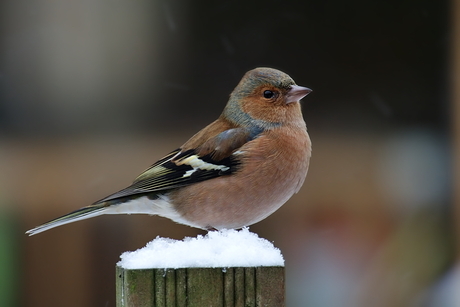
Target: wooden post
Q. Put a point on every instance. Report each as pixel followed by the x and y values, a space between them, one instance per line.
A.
pixel 199 287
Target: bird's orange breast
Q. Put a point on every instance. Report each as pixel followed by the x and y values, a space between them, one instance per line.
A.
pixel 273 168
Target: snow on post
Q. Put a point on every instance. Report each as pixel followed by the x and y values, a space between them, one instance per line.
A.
pixel 223 268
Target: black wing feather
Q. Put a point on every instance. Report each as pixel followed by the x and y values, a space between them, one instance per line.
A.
pixel 166 175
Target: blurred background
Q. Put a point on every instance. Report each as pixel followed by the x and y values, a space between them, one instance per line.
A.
pixel 94 91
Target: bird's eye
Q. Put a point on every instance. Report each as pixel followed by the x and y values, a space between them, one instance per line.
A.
pixel 269 94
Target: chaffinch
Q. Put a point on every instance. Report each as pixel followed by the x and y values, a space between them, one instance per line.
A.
pixel 233 173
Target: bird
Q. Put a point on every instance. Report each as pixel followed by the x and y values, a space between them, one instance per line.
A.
pixel 235 172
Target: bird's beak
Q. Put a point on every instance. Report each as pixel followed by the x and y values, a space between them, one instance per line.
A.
pixel 296 93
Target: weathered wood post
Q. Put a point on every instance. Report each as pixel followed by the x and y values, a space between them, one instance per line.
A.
pixel 199 287
pixel 223 286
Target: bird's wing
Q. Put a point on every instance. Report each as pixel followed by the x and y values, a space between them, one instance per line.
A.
pixel 180 168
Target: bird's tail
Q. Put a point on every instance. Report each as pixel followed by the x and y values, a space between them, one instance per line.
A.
pixel 77 215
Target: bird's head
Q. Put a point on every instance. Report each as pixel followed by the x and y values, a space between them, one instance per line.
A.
pixel 265 97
